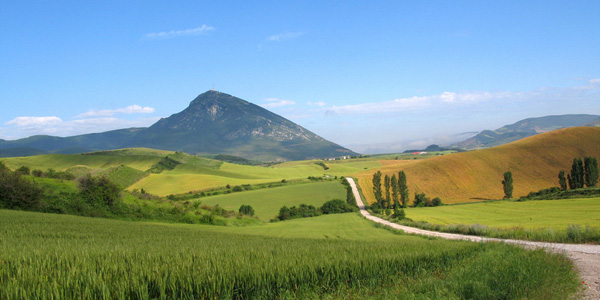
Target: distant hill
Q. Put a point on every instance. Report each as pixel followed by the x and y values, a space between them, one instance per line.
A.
pixel 526 128
pixel 213 123
pixel 477 175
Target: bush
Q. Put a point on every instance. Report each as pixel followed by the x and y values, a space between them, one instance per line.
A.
pixel 99 191
pixel 237 188
pixel 436 201
pixel 17 192
pixel 336 206
pixel 246 210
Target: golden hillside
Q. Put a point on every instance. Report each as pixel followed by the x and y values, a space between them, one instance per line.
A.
pixel 477 175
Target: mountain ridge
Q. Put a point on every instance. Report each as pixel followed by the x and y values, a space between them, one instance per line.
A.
pixel 213 123
pixel 525 128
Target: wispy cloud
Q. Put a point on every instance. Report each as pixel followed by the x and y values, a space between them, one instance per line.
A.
pixel 284 36
pixel 131 109
pixel 34 121
pixel 449 99
pixel 178 33
pixel 318 103
pixel 274 103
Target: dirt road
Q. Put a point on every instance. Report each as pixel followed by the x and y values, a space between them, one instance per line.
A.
pixel 585 257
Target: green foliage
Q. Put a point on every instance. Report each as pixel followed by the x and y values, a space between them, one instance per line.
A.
pixel 436 201
pixel 420 200
pixel 377 188
pixel 395 190
pixel 577 174
pixel 349 194
pixel 99 192
pixel 246 210
pixel 399 213
pixel 302 211
pixel 17 192
pixel 386 184
pixel 591 171
pixel 166 163
pixel 23 170
pixel 323 165
pixel 507 185
pixel 555 193
pixel 403 188
pixel 337 206
pixel 562 181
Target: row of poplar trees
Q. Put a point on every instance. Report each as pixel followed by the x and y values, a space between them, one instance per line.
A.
pixel 583 173
pixel 395 192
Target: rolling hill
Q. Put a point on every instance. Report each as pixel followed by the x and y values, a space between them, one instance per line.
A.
pixel 477 175
pixel 525 128
pixel 213 123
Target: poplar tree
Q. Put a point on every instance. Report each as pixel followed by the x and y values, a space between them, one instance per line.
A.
pixel 394 182
pixel 377 186
pixel 590 171
pixel 577 174
pixel 403 188
pixel 562 181
pixel 507 184
pixel 386 184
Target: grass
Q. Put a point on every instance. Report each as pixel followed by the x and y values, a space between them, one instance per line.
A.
pixel 477 175
pixel 267 202
pixel 562 221
pixel 45 256
pixel 533 214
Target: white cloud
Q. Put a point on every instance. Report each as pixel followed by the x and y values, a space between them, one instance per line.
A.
pixel 284 36
pixel 131 109
pixel 23 122
pixel 178 33
pixel 318 103
pixel 448 100
pixel 274 103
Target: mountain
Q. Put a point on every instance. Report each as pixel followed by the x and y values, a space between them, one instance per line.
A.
pixel 525 128
pixel 213 123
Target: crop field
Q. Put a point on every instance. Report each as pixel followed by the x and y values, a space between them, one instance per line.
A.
pixel 557 214
pixel 267 202
pixel 477 175
pixel 46 256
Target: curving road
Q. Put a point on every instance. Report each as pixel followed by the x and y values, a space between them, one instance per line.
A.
pixel 585 257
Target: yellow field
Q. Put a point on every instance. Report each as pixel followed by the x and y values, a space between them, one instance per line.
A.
pixel 476 175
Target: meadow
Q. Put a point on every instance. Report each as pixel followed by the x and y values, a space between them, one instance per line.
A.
pixel 47 256
pixel 267 202
pixel 508 214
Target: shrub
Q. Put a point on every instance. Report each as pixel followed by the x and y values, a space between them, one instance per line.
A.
pixel 336 206
pixel 246 210
pixel 17 192
pixel 436 201
pixel 99 191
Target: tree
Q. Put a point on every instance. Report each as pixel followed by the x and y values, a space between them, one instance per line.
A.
pixel 99 191
pixel 590 171
pixel 577 174
pixel 386 184
pixel 507 184
pixel 562 181
pixel 394 182
pixel 403 188
pixel 420 200
pixel 336 206
pixel 17 192
pixel 377 187
pixel 246 210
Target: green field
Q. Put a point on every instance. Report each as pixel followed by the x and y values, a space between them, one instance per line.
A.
pixel 556 214
pixel 46 256
pixel 267 202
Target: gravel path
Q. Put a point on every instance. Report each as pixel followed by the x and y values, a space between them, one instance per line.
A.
pixel 585 257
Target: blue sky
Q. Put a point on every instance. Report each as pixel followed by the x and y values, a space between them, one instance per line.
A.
pixel 378 75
